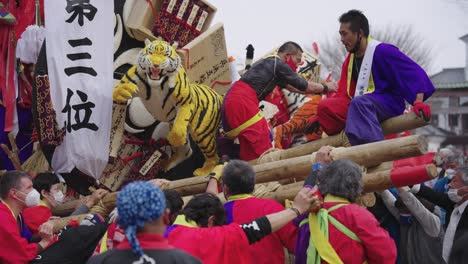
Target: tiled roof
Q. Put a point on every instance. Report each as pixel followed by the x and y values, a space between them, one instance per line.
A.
pixel 451 85
pixel 451 75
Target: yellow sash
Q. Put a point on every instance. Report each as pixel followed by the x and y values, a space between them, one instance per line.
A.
pixel 370 87
pixel 234 132
pixel 103 247
pixel 239 197
pixel 181 220
pixel 320 247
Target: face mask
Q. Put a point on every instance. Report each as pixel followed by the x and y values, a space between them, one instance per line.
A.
pixel 291 63
pixel 453 195
pixel 32 198
pixel 58 196
pixel 450 173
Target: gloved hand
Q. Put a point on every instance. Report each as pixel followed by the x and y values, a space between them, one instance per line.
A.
pixel 422 110
pixel 415 188
pixel 313 126
pixel 113 215
pixel 217 171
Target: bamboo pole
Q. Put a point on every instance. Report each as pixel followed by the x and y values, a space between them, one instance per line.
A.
pixel 390 126
pixel 372 182
pixel 366 155
pixel 428 158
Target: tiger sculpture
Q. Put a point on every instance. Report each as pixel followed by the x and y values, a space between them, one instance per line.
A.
pixel 301 108
pixel 160 84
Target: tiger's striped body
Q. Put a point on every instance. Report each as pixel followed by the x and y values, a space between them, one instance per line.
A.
pixel 162 86
pixel 302 109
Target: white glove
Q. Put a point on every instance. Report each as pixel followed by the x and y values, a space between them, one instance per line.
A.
pixel 415 189
pixel 113 216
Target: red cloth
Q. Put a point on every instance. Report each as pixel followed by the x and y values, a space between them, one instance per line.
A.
pixel 241 104
pixel 332 112
pixel 25 16
pixel 14 248
pixel 222 244
pixel 269 249
pixel 147 241
pixel 277 98
pixel 405 176
pixel 376 247
pixel 343 82
pixel 425 159
pixel 115 236
pixel 35 216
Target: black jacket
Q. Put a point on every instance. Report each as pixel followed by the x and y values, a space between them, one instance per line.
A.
pixel 270 72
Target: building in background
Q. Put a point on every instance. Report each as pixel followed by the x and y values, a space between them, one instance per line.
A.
pixel 449 104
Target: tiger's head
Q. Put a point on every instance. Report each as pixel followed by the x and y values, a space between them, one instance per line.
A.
pixel 157 59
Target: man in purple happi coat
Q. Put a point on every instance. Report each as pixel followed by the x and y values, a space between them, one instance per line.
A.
pixel 376 80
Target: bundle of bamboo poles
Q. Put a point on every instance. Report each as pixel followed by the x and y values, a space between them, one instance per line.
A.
pixel 389 127
pixel 371 182
pixel 366 155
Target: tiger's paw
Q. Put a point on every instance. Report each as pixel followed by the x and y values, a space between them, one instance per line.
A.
pixel 123 92
pixel 177 138
pixel 207 168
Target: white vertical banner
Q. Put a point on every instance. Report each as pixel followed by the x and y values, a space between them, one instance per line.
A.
pixel 79 42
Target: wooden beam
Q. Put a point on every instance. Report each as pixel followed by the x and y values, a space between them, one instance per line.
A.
pixel 366 155
pixel 389 127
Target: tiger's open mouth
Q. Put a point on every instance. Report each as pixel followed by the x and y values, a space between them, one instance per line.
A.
pixel 155 74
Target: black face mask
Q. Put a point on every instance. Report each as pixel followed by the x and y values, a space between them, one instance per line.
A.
pixel 356 47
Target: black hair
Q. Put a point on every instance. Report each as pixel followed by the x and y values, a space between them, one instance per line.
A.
pixel 202 206
pixel 358 21
pixel 239 177
pixel 44 181
pixel 291 47
pixel 174 201
pixel 11 180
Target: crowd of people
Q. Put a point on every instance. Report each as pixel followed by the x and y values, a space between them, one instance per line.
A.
pixel 327 226
pixel 423 223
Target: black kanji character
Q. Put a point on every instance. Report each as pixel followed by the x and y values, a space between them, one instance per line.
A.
pixel 80 56
pixel 80 8
pixel 86 106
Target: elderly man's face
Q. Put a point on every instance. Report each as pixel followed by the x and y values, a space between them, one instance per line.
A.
pixel 451 165
pixel 457 182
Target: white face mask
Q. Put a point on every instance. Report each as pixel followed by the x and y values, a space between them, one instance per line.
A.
pixel 58 197
pixel 453 195
pixel 450 173
pixel 32 198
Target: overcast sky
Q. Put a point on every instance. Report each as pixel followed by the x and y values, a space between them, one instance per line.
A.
pixel 267 23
